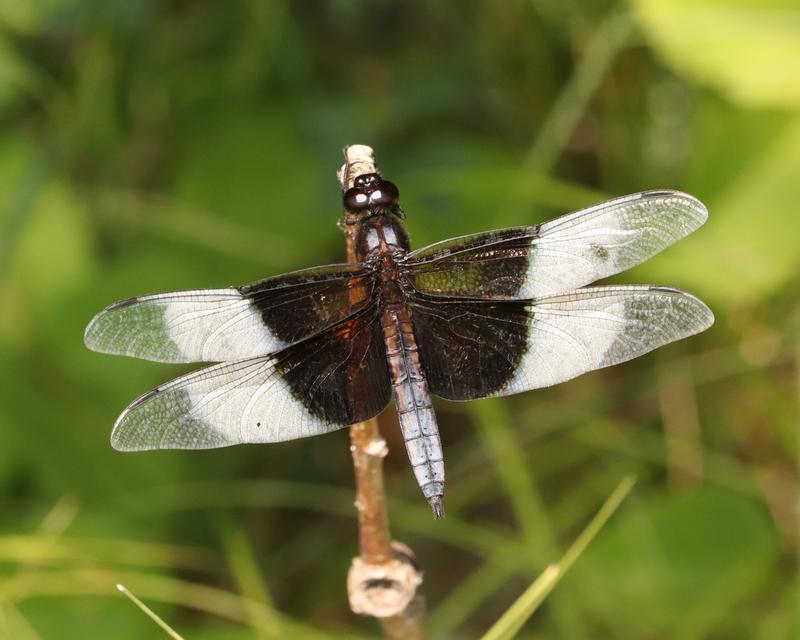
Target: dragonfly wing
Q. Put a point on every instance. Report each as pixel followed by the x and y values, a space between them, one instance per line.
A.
pixel 216 325
pixel 560 255
pixel 317 385
pixel 474 349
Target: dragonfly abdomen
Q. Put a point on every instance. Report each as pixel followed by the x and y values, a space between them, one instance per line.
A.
pixel 413 404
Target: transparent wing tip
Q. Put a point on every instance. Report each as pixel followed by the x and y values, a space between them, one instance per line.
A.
pixel 708 318
pixel 121 433
pixel 93 331
pixel 90 334
pixel 703 315
pixel 119 441
pixel 698 209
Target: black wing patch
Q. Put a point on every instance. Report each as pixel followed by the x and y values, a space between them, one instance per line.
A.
pixel 341 375
pixel 469 348
pixel 494 264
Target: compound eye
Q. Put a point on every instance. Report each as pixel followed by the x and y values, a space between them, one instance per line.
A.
pixel 355 199
pixel 384 195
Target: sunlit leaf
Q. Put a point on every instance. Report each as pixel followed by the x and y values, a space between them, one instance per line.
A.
pixel 748 247
pixel 744 48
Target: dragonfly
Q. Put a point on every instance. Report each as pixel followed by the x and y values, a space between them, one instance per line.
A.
pixel 489 314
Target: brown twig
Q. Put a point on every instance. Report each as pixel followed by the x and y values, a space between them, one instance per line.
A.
pixel 383 580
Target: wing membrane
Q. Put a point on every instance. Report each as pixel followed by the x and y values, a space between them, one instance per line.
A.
pixel 469 348
pixel 560 255
pixel 214 325
pixel 473 349
pixel 305 389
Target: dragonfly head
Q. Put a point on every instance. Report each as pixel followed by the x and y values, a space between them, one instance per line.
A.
pixel 372 194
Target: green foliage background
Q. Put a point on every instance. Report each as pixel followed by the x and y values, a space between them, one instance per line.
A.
pixel 149 146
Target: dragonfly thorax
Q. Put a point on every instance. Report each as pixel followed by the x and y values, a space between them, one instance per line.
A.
pixel 381 236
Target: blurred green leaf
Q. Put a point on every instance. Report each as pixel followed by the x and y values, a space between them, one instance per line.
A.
pixel 676 564
pixel 17 75
pixel 232 165
pixel 23 16
pixel 55 253
pixel 748 248
pixel 741 47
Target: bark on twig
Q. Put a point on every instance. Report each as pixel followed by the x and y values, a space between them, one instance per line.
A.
pixel 383 580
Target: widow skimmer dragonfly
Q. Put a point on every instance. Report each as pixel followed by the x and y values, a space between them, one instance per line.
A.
pixel 489 314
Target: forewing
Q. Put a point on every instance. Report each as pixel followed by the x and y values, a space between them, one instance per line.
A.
pixel 560 255
pixel 215 325
pixel 473 349
pixel 320 384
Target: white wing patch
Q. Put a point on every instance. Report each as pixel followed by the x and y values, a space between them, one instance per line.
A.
pixel 222 405
pixel 205 325
pixel 582 247
pixel 579 331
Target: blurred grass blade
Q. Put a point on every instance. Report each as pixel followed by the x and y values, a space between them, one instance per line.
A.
pixel 244 565
pixel 15 626
pixel 554 133
pixel 150 613
pixel 60 516
pixel 520 485
pixel 50 530
pixel 518 613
